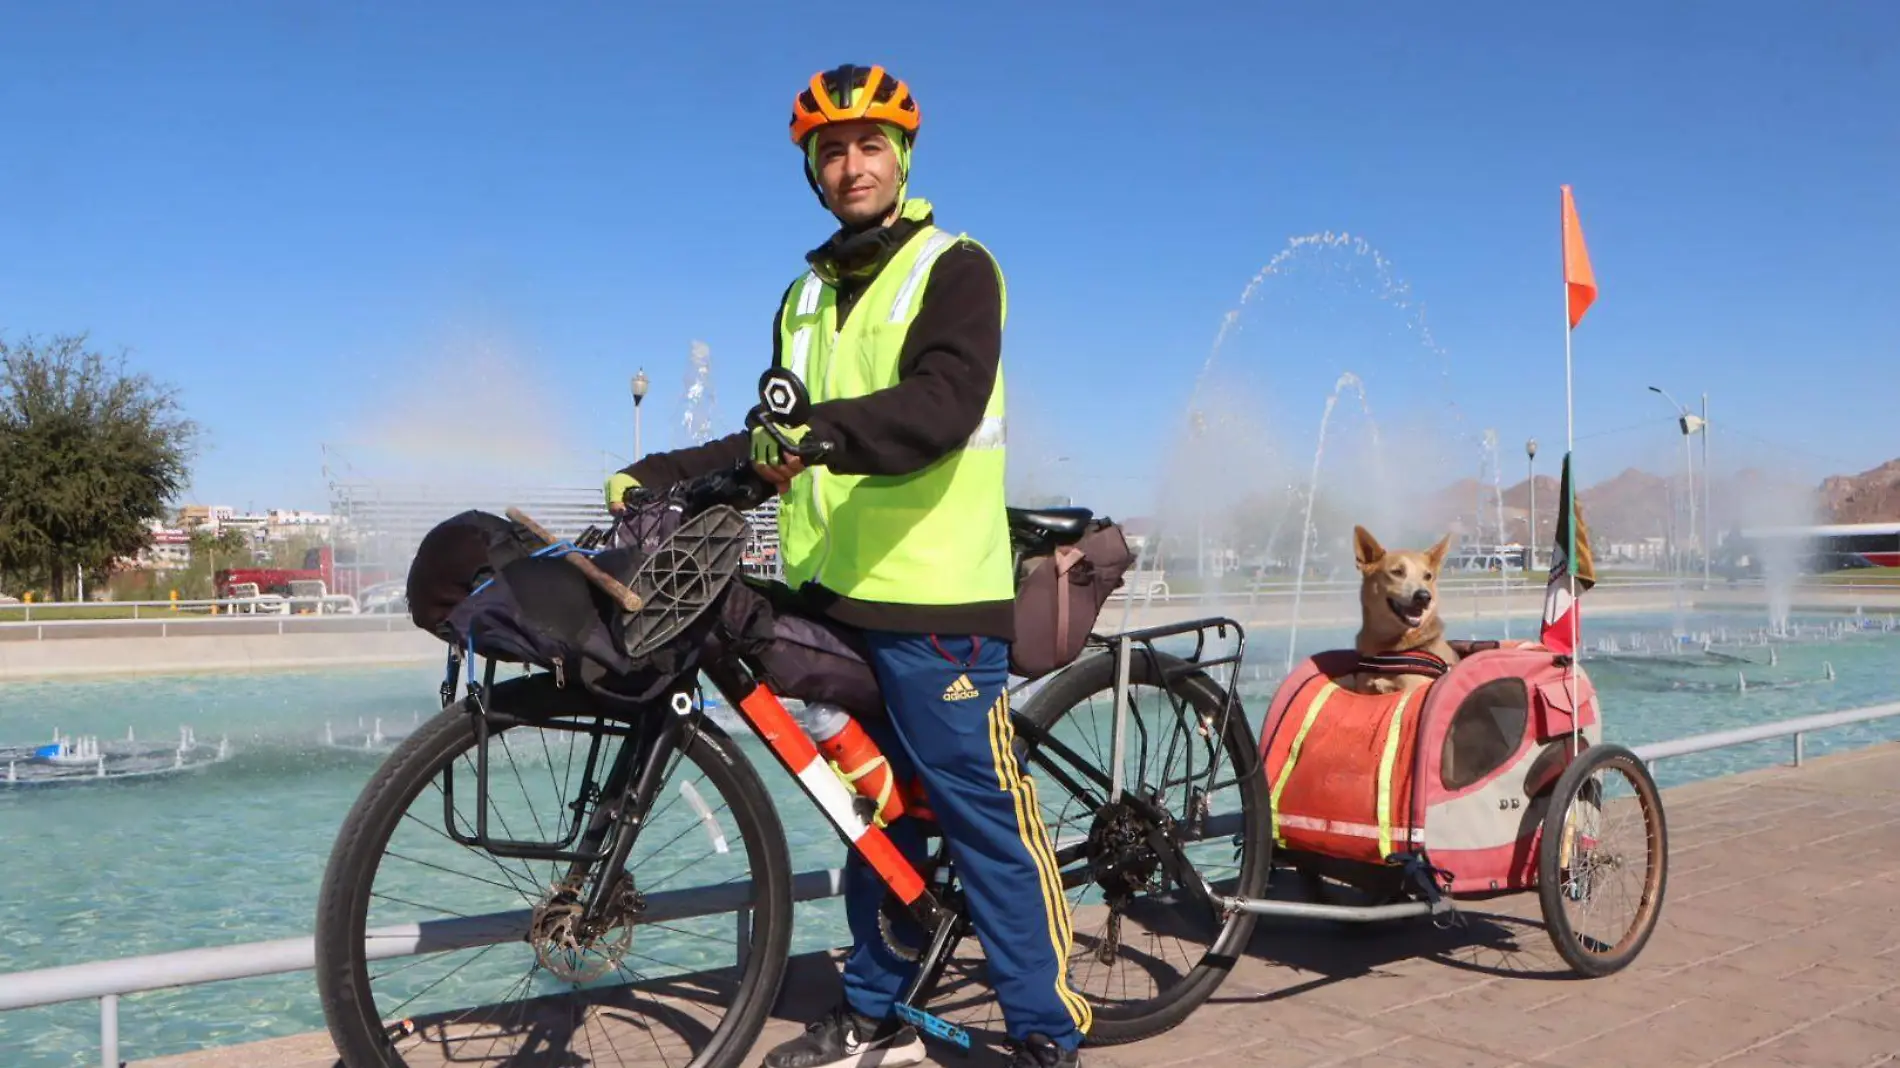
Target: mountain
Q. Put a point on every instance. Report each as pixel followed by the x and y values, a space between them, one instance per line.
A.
pixel 1635 505
pixel 1869 497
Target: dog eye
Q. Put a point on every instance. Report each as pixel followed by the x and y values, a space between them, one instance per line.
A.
pixel 1398 572
pixel 1428 576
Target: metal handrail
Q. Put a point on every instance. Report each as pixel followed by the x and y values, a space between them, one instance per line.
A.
pixel 1797 729
pixel 21 612
pixel 107 980
pixel 143 611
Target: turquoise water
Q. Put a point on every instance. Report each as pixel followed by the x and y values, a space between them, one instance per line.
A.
pixel 234 852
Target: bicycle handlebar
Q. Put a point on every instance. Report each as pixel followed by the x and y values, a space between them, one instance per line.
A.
pixel 739 486
pixel 782 398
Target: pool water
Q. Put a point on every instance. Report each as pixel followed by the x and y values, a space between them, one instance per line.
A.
pixel 234 851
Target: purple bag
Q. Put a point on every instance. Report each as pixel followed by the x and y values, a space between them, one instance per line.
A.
pixel 802 655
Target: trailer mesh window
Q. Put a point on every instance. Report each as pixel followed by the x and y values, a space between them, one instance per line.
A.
pixel 1486 731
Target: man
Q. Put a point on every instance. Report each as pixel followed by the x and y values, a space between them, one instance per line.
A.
pixel 896 331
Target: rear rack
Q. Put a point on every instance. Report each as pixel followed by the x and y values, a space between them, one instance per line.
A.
pixel 1123 645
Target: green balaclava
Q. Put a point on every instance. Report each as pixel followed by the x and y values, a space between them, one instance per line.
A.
pixel 899 142
pixel 858 255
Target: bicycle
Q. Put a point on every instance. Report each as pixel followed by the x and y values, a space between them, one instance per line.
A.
pixel 580 892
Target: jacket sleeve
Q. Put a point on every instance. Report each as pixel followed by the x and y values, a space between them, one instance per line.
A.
pixel 661 469
pixel 945 372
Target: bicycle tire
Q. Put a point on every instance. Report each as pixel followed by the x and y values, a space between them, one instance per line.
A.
pixel 1613 958
pixel 1075 684
pixel 343 985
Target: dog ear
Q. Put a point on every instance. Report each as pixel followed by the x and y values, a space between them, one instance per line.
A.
pixel 1436 554
pixel 1366 548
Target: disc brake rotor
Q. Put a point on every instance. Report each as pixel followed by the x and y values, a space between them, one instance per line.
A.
pixel 573 951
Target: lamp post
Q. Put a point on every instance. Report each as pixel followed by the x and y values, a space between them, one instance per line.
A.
pixel 1530 472
pixel 639 394
pixel 1708 509
pixel 1690 424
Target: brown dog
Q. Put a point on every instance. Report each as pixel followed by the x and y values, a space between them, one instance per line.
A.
pixel 1400 632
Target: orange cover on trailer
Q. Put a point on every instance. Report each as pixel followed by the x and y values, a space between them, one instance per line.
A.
pixel 1341 764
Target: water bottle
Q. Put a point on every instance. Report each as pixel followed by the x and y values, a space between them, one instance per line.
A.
pixel 854 757
pixel 822 721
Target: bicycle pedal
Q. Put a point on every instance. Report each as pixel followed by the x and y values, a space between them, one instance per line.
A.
pixel 934 1026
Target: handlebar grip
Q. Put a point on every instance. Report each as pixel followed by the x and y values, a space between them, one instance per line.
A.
pixel 613 587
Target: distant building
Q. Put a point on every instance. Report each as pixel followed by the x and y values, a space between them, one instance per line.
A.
pixel 761 547
pixel 193 516
pixel 170 549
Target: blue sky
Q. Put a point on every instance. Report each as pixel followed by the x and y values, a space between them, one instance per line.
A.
pixel 471 222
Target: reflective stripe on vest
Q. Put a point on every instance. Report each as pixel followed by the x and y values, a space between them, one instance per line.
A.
pixel 933 247
pixel 801 341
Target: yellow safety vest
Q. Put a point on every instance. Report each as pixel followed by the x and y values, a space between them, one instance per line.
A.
pixel 938 536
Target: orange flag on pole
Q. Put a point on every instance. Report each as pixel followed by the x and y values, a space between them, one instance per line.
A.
pixel 1578 277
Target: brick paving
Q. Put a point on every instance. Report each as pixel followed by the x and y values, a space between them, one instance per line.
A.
pixel 1779 945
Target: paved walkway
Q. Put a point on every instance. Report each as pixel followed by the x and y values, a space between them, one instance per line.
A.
pixel 1779 945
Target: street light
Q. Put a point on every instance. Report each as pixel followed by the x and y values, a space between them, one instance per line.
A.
pixel 1692 424
pixel 1530 472
pixel 639 394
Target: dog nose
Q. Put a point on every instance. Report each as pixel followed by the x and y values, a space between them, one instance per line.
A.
pixel 1421 598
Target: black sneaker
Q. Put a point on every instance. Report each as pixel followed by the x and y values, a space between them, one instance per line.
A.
pixel 1037 1051
pixel 843 1039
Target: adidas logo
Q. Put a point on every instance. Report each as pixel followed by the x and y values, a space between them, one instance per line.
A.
pixel 960 690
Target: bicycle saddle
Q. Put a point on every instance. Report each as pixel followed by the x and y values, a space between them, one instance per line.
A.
pixel 1060 525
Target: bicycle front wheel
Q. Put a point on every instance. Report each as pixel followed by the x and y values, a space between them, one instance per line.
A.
pixel 1148 950
pixel 432 951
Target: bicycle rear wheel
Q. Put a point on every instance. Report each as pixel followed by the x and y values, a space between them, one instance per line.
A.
pixel 431 951
pixel 1147 950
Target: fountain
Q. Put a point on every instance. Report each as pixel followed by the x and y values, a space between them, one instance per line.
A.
pixel 1346 380
pixel 1227 411
pixel 696 405
pixel 1774 506
pixel 1497 493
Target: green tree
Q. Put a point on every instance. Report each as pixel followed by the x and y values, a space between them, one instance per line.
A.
pixel 229 547
pixel 290 552
pixel 89 453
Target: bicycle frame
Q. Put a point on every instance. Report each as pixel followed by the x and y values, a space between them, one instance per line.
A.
pixel 638 769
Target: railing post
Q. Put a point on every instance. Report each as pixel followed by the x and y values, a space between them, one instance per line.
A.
pixel 745 936
pixel 109 1030
pixel 1797 749
pixel 1122 652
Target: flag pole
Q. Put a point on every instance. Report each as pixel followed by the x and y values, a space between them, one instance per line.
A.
pixel 1568 475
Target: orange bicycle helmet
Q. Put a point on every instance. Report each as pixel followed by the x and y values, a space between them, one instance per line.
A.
pixel 850 94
